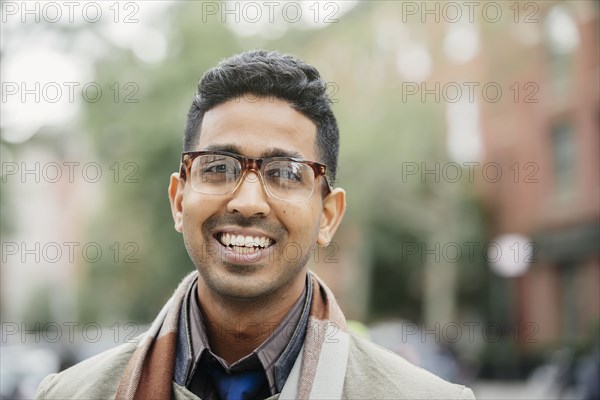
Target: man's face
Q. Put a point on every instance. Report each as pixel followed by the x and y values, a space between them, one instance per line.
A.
pixel 253 128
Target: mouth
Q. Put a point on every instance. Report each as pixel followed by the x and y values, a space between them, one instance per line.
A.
pixel 243 244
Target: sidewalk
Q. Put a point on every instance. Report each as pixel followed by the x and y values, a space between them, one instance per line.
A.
pixel 515 390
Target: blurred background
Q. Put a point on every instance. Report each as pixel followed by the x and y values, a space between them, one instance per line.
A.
pixel 469 152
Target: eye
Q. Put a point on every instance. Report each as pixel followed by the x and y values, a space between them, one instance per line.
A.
pixel 287 172
pixel 215 168
pixel 217 165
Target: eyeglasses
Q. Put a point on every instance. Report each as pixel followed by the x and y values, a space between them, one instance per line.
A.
pixel 220 172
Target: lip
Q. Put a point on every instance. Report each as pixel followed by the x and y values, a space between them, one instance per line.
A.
pixel 228 255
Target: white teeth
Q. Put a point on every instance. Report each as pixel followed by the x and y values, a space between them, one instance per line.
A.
pixel 228 239
pixel 239 240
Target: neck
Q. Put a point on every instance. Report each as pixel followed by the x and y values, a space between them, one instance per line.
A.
pixel 235 327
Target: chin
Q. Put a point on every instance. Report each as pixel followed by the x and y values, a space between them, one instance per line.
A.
pixel 237 286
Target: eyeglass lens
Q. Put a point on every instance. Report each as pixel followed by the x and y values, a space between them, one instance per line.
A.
pixel 284 179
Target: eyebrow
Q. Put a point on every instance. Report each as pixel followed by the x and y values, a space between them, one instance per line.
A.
pixel 268 153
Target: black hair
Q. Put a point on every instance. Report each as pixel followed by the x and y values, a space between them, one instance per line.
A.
pixel 269 74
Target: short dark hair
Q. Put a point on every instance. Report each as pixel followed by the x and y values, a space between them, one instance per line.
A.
pixel 269 74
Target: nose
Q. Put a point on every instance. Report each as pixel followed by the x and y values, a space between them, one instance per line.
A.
pixel 250 198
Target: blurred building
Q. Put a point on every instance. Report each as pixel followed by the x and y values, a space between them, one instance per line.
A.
pixel 544 136
pixel 521 94
pixel 519 88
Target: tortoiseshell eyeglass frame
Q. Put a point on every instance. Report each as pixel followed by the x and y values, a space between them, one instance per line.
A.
pixel 253 164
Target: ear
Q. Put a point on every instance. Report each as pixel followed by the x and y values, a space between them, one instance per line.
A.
pixel 176 186
pixel 334 207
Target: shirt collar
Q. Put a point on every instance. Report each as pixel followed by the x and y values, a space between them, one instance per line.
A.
pixel 276 355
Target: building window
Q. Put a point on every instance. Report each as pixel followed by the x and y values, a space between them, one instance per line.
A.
pixel 568 297
pixel 561 37
pixel 564 156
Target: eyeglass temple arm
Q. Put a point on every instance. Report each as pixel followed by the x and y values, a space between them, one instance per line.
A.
pixel 183 167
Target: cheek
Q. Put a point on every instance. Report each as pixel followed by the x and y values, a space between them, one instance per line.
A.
pixel 301 221
pixel 195 211
pixel 188 213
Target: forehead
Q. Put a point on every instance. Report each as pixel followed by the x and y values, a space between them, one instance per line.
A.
pixel 255 125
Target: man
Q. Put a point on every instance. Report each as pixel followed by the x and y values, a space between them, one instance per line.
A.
pixel 260 155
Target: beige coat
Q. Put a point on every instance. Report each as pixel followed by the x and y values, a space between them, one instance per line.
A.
pixel 352 368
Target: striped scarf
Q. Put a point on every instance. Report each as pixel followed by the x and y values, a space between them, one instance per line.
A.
pixel 149 373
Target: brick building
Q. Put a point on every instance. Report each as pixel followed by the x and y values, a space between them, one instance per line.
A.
pixel 544 133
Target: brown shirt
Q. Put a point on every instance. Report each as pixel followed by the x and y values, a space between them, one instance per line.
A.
pixel 265 357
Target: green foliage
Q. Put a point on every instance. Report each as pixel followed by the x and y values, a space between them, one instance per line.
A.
pixel 147 137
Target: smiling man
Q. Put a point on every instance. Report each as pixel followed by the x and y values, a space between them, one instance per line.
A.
pixel 260 155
